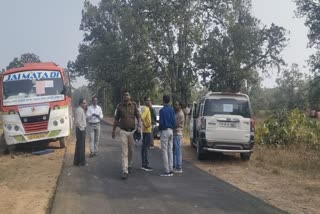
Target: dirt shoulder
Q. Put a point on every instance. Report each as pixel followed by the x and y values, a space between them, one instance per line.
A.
pixel 28 182
pixel 290 191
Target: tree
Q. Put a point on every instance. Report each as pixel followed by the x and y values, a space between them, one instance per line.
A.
pixel 311 10
pixel 130 43
pixel 175 30
pixel 82 92
pixel 113 51
pixel 24 58
pixel 293 89
pixel 138 44
pixel 237 47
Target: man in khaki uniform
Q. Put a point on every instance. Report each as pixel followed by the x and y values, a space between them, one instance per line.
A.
pixel 125 116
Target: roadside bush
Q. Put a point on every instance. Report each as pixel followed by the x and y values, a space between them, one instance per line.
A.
pixel 287 128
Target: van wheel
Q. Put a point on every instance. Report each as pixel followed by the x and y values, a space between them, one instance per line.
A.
pixel 200 152
pixel 4 148
pixel 245 156
pixel 62 143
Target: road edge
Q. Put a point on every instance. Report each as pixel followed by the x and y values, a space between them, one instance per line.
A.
pixel 52 198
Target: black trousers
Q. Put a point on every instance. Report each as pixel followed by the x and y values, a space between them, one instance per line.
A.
pixel 144 149
pixel 79 154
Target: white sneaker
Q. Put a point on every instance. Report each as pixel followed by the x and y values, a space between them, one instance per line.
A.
pixel 166 174
pixel 178 171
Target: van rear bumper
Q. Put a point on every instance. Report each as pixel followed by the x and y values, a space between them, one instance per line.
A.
pixel 227 147
pixel 227 150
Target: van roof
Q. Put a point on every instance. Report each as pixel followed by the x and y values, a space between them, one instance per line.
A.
pixel 211 93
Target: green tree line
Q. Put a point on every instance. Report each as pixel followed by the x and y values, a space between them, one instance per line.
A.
pixel 158 46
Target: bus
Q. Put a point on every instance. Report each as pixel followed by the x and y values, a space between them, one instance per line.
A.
pixel 35 102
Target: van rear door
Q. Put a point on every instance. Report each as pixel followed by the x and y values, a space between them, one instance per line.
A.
pixel 227 119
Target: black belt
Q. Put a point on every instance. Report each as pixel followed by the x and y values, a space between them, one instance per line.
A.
pixel 94 123
pixel 127 129
pixel 165 129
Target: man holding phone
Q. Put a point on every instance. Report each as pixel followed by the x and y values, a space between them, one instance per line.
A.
pixel 94 115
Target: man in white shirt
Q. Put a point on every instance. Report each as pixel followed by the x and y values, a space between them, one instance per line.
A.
pixel 94 115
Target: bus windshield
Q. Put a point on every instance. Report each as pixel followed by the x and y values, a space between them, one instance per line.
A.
pixel 29 87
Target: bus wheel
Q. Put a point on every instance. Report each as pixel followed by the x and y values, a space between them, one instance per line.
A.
pixel 4 148
pixel 62 143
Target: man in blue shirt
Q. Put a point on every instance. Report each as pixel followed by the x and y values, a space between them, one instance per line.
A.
pixel 166 124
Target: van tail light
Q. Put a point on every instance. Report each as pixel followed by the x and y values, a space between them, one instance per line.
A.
pixel 252 125
pixel 203 123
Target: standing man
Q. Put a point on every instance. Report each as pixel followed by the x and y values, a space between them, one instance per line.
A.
pixel 125 116
pixel 166 124
pixel 154 123
pixel 94 115
pixel 146 131
pixel 177 136
pixel 80 122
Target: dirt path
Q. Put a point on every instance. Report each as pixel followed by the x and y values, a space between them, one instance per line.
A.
pixel 283 189
pixel 27 182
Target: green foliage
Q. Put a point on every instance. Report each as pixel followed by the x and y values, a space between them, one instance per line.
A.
pixel 292 90
pixel 82 92
pixel 24 58
pixel 237 47
pixel 314 92
pixel 288 127
pixel 310 9
pixel 157 46
pixel 114 50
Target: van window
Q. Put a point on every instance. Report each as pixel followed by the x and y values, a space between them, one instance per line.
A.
pixel 227 106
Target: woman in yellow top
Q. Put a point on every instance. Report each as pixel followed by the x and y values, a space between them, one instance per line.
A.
pixel 146 131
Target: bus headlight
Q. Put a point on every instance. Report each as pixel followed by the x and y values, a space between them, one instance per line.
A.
pixel 16 128
pixel 55 123
pixel 9 127
pixel 61 120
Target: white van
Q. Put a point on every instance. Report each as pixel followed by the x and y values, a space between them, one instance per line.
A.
pixel 222 122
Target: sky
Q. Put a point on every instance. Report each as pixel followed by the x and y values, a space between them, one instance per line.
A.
pixel 50 29
pixel 281 12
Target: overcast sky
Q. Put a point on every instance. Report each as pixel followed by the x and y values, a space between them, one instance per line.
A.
pixel 50 29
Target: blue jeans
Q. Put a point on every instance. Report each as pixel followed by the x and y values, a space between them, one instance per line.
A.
pixel 177 154
pixel 144 149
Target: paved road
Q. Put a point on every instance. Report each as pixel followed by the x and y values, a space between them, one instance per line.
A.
pixel 97 188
